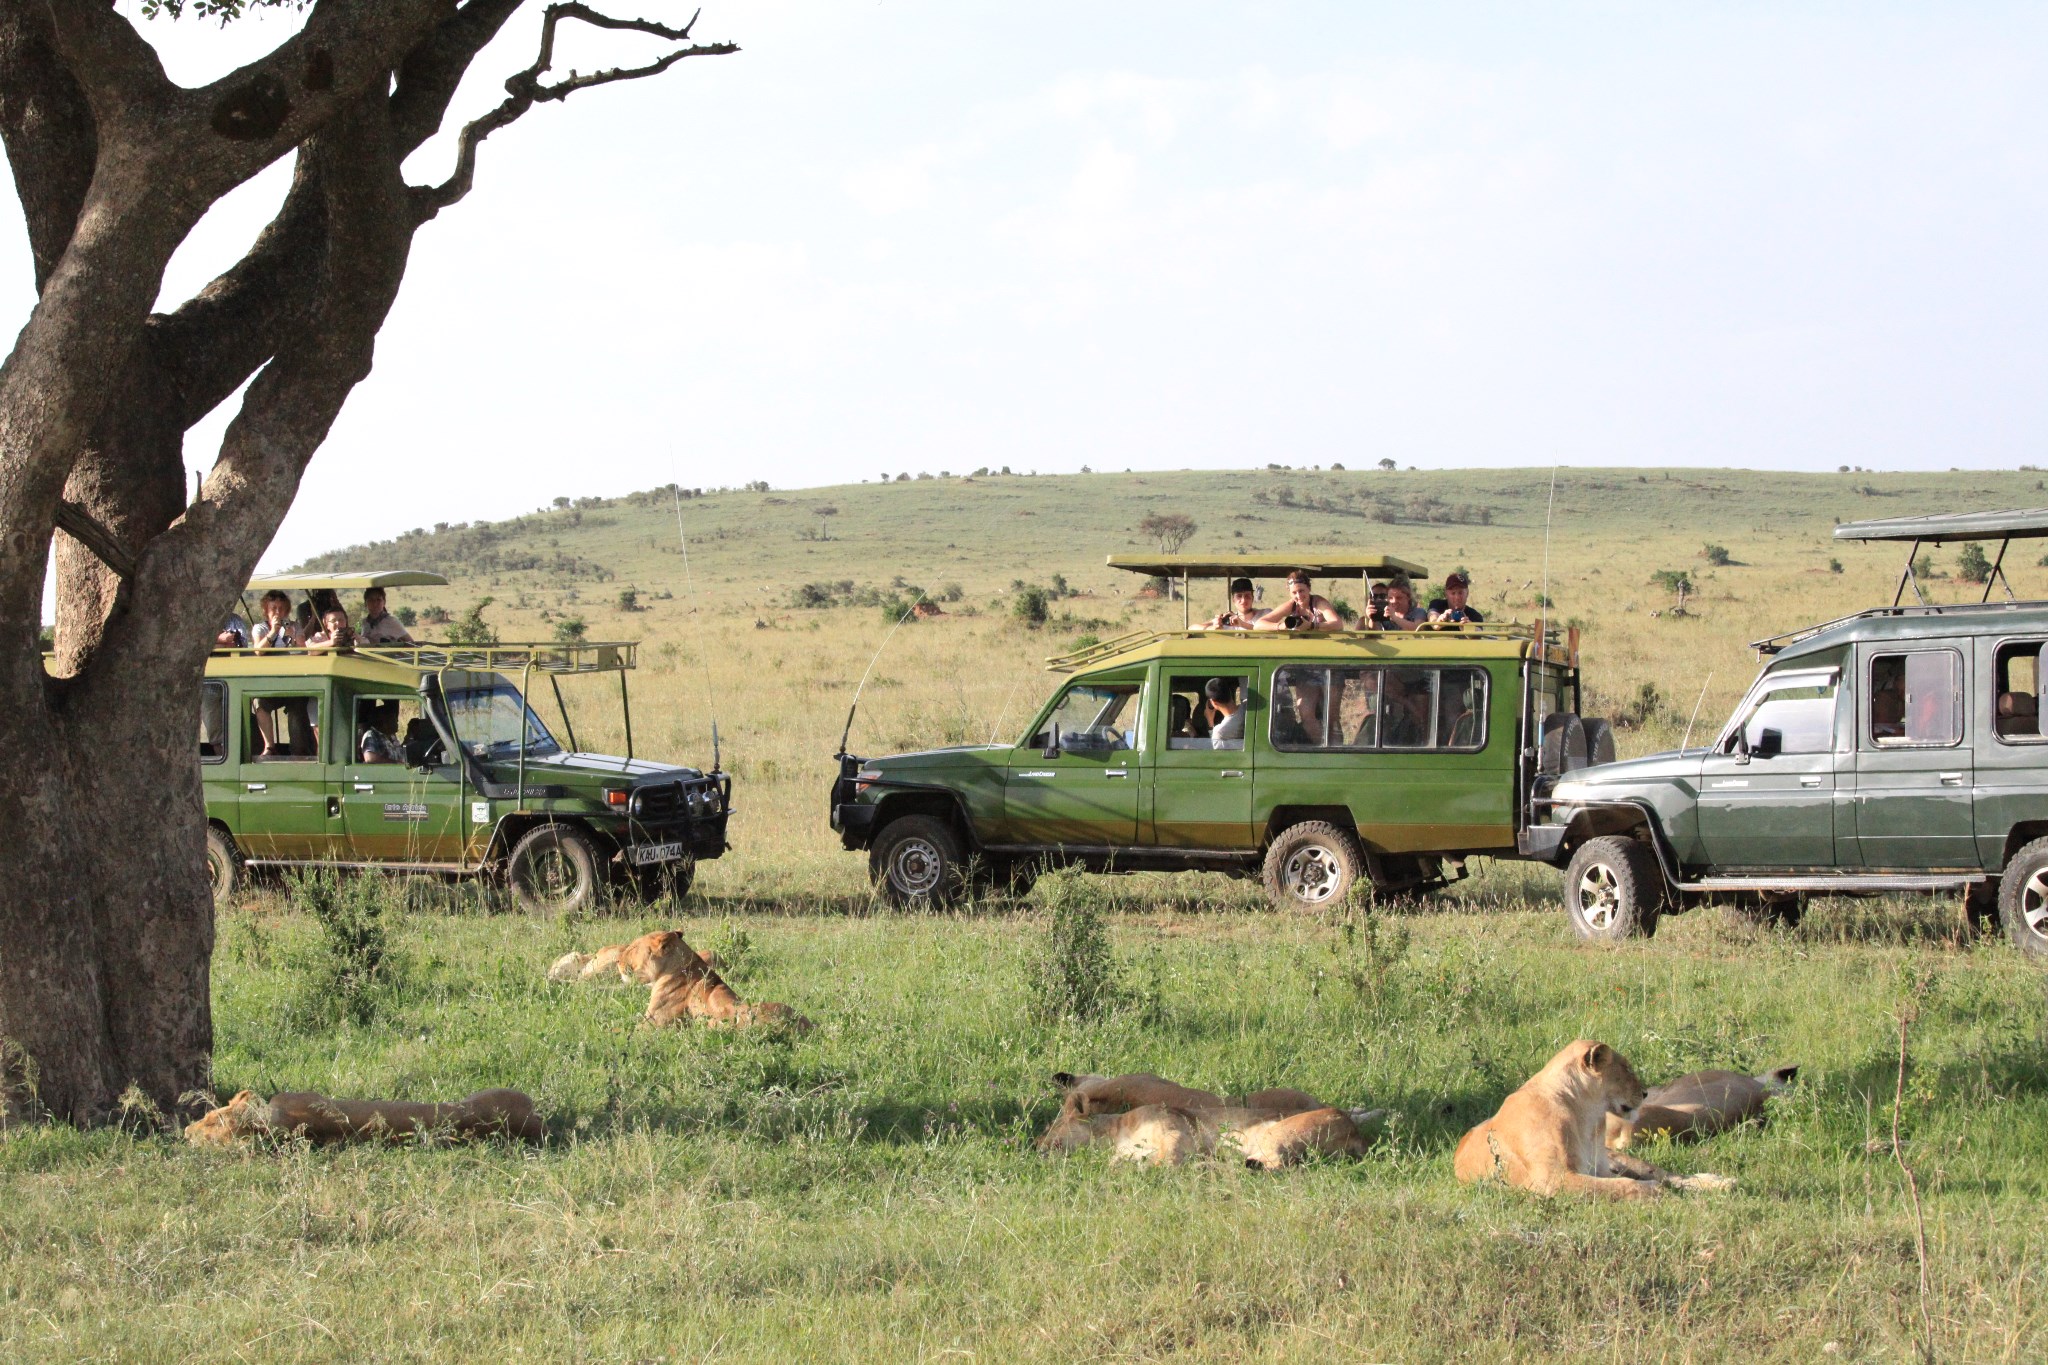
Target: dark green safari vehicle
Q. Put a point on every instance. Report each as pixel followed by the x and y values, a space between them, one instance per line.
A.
pixel 1897 750
pixel 428 758
pixel 1382 756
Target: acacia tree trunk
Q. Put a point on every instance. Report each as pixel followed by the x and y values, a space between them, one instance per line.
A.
pixel 106 918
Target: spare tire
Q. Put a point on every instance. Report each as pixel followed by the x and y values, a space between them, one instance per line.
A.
pixel 1563 746
pixel 1599 741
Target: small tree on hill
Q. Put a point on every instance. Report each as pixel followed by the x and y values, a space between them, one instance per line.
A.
pixel 1716 555
pixel 1387 465
pixel 1170 529
pixel 472 629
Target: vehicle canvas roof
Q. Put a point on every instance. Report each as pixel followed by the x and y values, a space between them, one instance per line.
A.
pixel 1475 643
pixel 348 582
pixel 1948 526
pixel 1319 565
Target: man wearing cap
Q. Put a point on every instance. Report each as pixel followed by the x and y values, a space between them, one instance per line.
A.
pixel 1243 611
pixel 1454 606
pixel 1304 609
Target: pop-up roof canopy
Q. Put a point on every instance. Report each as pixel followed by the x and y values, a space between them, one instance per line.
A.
pixel 1942 528
pixel 1245 566
pixel 348 582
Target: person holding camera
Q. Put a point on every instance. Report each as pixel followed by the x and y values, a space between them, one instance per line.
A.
pixel 1382 610
pixel 1243 612
pixel 1455 606
pixel 1304 609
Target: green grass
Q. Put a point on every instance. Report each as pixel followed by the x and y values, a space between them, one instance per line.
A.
pixel 870 1191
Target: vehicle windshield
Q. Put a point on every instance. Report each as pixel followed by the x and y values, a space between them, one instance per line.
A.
pixel 488 718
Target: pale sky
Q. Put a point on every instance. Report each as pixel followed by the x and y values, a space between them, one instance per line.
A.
pixel 935 234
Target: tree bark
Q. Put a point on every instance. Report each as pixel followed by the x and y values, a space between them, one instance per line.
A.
pixel 106 916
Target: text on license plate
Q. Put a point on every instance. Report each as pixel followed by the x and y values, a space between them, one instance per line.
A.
pixel 656 853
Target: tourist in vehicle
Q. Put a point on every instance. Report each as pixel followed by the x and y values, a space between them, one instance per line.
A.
pixel 1300 723
pixel 1374 617
pixel 1304 609
pixel 379 741
pixel 1227 710
pixel 233 633
pixel 379 626
pixel 1402 613
pixel 1404 713
pixel 1455 606
pixel 1243 612
pixel 276 630
pixel 334 634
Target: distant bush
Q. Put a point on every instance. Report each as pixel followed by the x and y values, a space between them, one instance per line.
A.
pixel 629 599
pixel 1171 530
pixel 1834 566
pixel 1074 976
pixel 407 617
pixel 355 963
pixel 472 629
pixel 570 629
pixel 1716 554
pixel 1971 565
pixel 1029 606
pixel 1081 642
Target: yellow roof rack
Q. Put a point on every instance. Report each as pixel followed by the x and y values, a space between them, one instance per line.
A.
pixel 586 656
pixel 1322 565
pixel 347 582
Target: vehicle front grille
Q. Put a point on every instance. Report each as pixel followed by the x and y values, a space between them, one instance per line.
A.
pixel 658 804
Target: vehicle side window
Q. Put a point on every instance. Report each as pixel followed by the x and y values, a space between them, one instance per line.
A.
pixel 1192 717
pixel 1102 715
pixel 1915 699
pixel 2016 693
pixel 381 725
pixel 213 722
pixel 1801 711
pixel 1357 709
pixel 283 730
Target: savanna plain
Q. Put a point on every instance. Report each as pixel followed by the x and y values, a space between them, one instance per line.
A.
pixel 869 1190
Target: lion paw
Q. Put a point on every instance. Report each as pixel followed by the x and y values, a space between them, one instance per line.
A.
pixel 1704 1181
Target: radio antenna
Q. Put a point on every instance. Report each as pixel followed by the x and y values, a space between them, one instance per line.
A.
pixel 1000 715
pixel 908 612
pixel 1548 511
pixel 690 587
pixel 1695 713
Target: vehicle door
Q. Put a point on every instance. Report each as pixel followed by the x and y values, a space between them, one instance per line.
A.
pixel 219 774
pixel 1767 791
pixel 392 812
pixel 1914 770
pixel 1201 781
pixel 2011 773
pixel 288 805
pixel 1073 782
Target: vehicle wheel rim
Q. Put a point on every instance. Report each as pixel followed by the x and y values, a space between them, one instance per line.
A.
pixel 915 867
pixel 2034 904
pixel 552 876
pixel 1313 874
pixel 1599 896
pixel 217 868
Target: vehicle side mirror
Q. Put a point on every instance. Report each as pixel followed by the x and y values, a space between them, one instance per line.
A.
pixel 1052 741
pixel 1769 744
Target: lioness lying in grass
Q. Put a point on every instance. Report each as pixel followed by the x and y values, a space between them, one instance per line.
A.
pixel 1145 1118
pixel 321 1120
pixel 1549 1136
pixel 686 987
pixel 602 966
pixel 1700 1105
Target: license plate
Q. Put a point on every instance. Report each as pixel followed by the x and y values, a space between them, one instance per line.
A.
pixel 656 853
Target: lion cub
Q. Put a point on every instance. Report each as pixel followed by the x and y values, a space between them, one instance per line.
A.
pixel 1700 1105
pixel 1549 1136
pixel 685 987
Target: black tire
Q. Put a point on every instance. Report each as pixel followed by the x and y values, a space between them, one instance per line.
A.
pixel 225 866
pixel 2023 899
pixel 1311 866
pixel 1563 746
pixel 916 862
pixel 1980 906
pixel 555 870
pixel 1614 890
pixel 1599 741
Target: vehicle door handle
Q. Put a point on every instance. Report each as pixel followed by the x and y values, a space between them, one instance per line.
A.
pixel 259 786
pixel 1951 779
pixel 1809 782
pixel 365 787
pixel 1116 772
pixel 1231 772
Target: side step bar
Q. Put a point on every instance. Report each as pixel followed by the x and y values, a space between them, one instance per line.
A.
pixel 1945 881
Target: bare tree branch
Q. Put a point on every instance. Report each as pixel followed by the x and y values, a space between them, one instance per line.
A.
pixel 430 73
pixel 526 89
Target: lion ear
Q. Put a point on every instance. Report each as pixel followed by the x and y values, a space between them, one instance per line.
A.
pixel 1064 1079
pixel 1596 1056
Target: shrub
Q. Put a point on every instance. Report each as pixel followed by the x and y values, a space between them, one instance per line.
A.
pixel 1171 529
pixel 471 629
pixel 1834 566
pixel 629 599
pixel 1716 554
pixel 355 963
pixel 570 629
pixel 1642 709
pixel 1971 565
pixel 1029 606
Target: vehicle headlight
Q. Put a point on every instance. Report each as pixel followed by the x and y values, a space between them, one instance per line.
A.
pixel 865 778
pixel 1571 791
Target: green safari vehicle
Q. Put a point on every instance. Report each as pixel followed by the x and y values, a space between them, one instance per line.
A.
pixel 1382 756
pixel 429 758
pixel 1896 750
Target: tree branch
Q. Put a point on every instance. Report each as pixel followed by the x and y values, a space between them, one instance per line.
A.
pixel 525 89
pixel 48 129
pixel 431 72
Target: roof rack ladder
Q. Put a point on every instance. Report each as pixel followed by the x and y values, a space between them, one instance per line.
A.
pixel 1997 575
pixel 1910 577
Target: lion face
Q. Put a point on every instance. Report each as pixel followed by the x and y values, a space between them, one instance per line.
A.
pixel 221 1127
pixel 1617 1083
